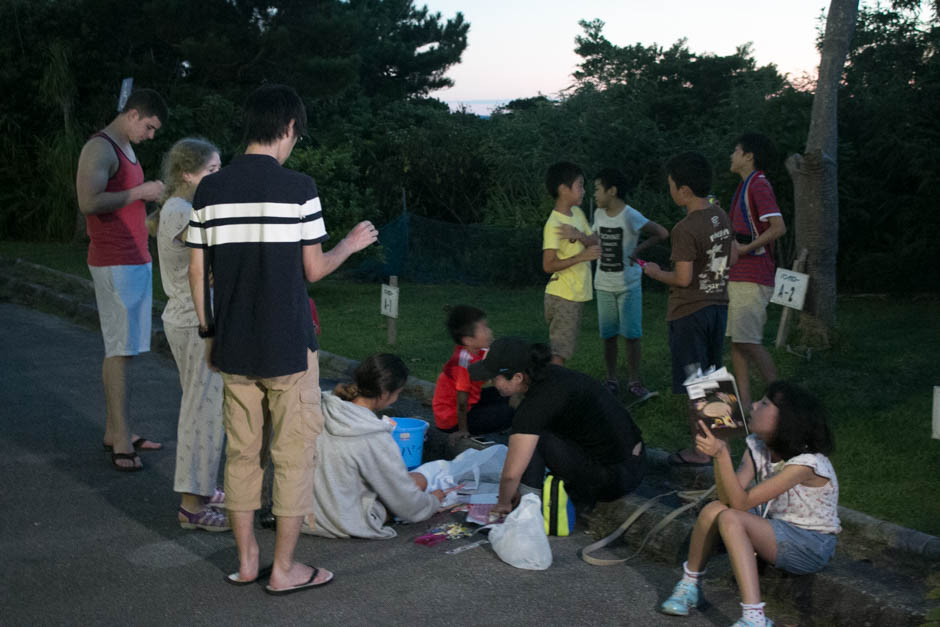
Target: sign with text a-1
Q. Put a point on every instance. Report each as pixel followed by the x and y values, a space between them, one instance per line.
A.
pixel 389 306
pixel 790 288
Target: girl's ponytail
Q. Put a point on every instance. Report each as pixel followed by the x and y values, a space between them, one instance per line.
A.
pixel 376 375
pixel 539 356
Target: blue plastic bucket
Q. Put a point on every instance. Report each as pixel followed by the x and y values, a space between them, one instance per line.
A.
pixel 409 435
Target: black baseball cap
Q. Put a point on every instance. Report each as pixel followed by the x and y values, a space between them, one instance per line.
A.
pixel 507 356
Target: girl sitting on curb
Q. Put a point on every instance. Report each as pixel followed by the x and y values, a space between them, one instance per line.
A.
pixel 789 518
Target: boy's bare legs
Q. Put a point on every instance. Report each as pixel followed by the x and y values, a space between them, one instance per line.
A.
pixel 632 346
pixel 116 433
pixel 286 572
pixel 744 533
pixel 690 454
pixel 243 527
pixel 742 355
pixel 610 357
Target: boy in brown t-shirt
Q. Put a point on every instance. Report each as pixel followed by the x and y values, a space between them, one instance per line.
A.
pixel 702 251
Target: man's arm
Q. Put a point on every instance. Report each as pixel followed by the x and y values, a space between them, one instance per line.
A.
pixel 775 229
pixel 95 166
pixel 196 283
pixel 655 233
pixel 552 264
pixel 318 264
pixel 197 287
pixel 680 277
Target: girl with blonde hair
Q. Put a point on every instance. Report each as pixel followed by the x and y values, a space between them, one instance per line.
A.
pixel 200 433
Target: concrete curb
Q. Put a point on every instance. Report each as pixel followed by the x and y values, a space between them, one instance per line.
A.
pixel 850 589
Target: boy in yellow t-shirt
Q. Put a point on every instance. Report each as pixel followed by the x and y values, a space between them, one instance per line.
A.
pixel 568 248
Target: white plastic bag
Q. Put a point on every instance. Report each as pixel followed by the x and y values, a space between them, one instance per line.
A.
pixel 471 469
pixel 521 541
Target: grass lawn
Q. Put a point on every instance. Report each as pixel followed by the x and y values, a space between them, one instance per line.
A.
pixel 877 381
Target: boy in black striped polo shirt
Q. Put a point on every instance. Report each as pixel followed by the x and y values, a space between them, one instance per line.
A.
pixel 258 227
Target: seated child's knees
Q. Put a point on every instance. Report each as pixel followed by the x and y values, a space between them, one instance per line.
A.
pixel 711 511
pixel 729 518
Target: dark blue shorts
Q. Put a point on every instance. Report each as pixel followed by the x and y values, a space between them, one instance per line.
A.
pixel 696 340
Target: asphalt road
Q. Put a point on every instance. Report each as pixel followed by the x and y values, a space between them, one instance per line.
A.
pixel 83 544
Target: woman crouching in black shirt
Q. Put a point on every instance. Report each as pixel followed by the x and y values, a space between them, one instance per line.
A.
pixel 567 422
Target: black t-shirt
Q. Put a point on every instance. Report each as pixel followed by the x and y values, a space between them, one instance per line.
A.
pixel 253 219
pixel 577 408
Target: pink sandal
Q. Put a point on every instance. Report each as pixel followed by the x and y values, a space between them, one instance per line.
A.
pixel 217 499
pixel 207 520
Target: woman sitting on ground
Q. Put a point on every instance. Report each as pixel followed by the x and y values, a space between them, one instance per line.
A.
pixel 360 475
pixel 566 422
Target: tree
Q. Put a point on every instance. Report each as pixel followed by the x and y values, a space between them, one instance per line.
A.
pixel 62 61
pixel 888 151
pixel 814 175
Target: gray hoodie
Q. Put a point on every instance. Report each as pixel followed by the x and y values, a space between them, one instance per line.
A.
pixel 360 472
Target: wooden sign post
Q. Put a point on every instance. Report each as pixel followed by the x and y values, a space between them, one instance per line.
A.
pixel 389 307
pixel 783 294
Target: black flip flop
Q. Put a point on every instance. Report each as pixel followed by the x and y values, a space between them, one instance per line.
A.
pixel 138 445
pixel 304 586
pixel 130 456
pixel 263 573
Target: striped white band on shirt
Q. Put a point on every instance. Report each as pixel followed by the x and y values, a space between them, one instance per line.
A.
pixel 235 223
pixel 255 233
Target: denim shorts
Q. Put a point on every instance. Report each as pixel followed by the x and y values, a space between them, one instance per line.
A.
pixel 802 551
pixel 620 313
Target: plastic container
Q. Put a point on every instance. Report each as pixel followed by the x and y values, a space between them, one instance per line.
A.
pixel 409 435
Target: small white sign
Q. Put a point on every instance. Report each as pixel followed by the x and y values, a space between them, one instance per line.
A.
pixel 127 86
pixel 389 306
pixel 790 288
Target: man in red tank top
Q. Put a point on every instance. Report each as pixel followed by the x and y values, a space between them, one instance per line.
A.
pixel 112 194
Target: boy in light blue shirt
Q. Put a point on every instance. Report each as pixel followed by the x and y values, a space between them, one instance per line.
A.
pixel 618 279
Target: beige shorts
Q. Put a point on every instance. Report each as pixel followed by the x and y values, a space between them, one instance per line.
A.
pixel 564 324
pixel 747 311
pixel 292 404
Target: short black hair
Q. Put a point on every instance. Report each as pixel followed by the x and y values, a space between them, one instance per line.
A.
pixel 147 103
pixel 268 112
pixel 760 146
pixel 561 173
pixel 462 321
pixel 609 177
pixel 691 169
pixel 801 423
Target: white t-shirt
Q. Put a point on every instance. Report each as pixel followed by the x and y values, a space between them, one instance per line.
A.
pixel 618 238
pixel 174 263
pixel 816 509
